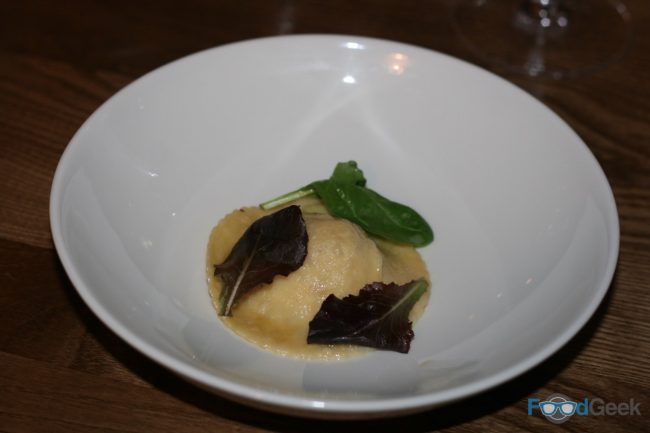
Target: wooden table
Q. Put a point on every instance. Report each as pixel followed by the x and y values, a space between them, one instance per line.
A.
pixel 62 370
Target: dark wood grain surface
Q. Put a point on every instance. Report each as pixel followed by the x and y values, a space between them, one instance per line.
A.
pixel 62 370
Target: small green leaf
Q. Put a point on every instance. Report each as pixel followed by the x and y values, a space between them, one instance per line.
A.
pixel 374 213
pixel 348 172
pixel 346 196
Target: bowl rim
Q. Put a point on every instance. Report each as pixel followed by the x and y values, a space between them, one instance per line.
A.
pixel 308 405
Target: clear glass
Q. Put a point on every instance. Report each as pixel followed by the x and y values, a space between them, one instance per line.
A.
pixel 545 38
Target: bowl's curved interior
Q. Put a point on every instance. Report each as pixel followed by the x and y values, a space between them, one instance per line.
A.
pixel 526 227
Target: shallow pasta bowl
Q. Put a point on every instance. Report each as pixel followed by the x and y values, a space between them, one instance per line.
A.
pixel 525 222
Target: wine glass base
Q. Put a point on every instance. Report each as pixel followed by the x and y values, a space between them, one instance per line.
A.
pixel 580 37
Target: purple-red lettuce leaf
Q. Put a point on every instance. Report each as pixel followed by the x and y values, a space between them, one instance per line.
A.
pixel 275 244
pixel 376 317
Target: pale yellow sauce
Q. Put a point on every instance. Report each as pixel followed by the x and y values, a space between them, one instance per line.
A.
pixel 341 259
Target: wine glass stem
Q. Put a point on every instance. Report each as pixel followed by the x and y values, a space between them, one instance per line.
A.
pixel 545 38
pixel 542 15
pixel 551 7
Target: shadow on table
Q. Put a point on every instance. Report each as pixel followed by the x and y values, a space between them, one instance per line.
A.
pixel 486 403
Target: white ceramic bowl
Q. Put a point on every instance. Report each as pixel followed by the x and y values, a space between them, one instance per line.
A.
pixel 526 225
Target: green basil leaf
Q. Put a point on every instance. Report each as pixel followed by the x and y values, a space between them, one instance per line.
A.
pixel 345 196
pixel 374 213
pixel 348 172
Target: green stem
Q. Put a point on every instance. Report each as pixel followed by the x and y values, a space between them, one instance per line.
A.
pixel 288 197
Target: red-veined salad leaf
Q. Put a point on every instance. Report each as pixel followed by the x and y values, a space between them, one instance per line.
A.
pixel 273 245
pixel 376 317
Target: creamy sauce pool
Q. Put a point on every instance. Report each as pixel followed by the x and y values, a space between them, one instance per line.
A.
pixel 341 259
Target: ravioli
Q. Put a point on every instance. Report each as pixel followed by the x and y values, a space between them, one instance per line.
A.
pixel 341 259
